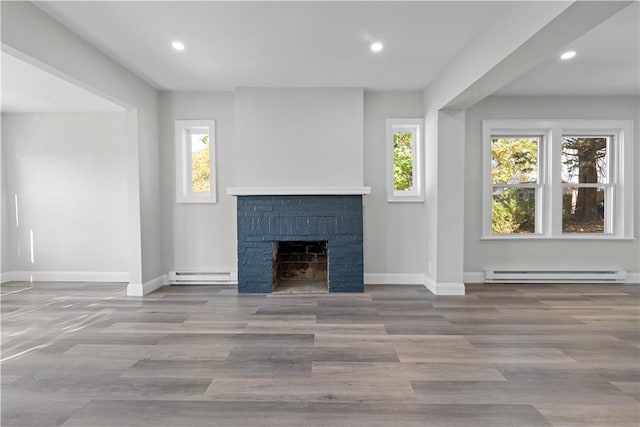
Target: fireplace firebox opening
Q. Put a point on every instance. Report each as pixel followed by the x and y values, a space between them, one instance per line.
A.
pixel 300 266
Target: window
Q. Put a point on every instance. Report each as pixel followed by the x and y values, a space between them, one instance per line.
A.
pixel 587 188
pixel 404 160
pixel 515 183
pixel 557 179
pixel 195 161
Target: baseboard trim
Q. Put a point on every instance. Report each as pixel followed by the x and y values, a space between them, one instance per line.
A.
pixel 10 276
pixel 65 276
pixel 473 277
pixel 633 278
pixel 436 288
pixel 444 288
pixel 142 289
pixel 393 279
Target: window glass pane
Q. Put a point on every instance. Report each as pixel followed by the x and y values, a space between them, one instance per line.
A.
pixel 583 209
pixel 403 161
pixel 584 159
pixel 514 160
pixel 200 167
pixel 513 210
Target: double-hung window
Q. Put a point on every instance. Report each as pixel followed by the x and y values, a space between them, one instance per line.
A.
pixel 195 160
pixel 404 160
pixel 557 179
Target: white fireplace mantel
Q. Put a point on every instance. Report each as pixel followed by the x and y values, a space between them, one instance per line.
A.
pixel 297 191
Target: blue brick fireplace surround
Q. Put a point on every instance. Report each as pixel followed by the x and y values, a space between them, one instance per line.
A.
pixel 263 220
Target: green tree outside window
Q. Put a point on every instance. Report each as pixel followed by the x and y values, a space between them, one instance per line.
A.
pixel 514 160
pixel 402 161
pixel 200 167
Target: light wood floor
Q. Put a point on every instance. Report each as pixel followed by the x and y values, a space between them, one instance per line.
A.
pixel 508 355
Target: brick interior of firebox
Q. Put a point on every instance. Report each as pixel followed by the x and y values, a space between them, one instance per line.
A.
pixel 300 266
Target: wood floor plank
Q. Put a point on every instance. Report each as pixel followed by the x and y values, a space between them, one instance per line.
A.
pixel 632 388
pixel 590 415
pixel 202 350
pixel 407 371
pixel 110 413
pixel 318 388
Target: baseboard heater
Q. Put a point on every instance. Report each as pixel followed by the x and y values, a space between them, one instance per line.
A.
pixel 202 278
pixel 554 276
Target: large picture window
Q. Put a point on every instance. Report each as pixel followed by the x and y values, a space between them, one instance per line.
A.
pixel 195 160
pixel 557 179
pixel 404 160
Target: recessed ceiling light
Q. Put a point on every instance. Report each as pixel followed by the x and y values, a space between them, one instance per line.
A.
pixel 177 46
pixel 568 55
pixel 376 47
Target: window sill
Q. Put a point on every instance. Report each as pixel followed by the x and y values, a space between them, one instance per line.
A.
pixel 196 201
pixel 406 199
pixel 559 238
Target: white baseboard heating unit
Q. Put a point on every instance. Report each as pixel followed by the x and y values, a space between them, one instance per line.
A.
pixel 202 278
pixel 554 276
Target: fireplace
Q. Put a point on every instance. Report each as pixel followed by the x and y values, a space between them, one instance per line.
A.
pixel 300 266
pixel 326 230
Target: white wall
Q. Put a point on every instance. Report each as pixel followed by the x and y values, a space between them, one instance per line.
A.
pixel 299 137
pixel 394 232
pixel 199 237
pixel 482 254
pixel 67 172
pixel 60 51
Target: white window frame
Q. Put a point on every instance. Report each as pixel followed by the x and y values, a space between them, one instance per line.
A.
pixel 184 193
pixel 415 126
pixel 619 216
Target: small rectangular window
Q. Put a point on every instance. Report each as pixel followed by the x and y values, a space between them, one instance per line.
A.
pixel 404 160
pixel 200 161
pixel 195 155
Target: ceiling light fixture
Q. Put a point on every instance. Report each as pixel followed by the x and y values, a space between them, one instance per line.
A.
pixel 177 45
pixel 376 47
pixel 568 55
